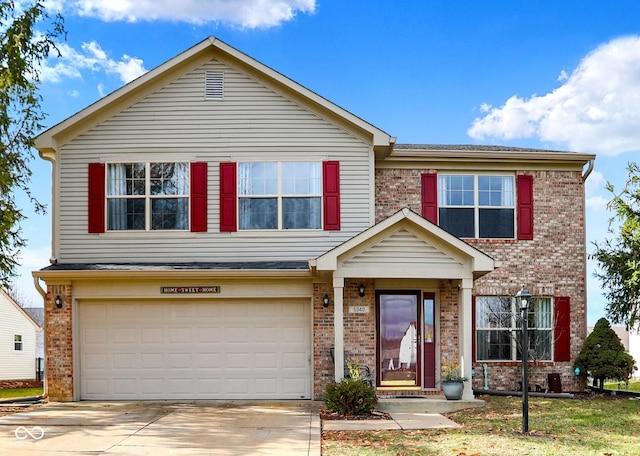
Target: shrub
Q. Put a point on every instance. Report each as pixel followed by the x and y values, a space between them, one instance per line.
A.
pixel 350 397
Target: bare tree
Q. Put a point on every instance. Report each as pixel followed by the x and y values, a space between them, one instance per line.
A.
pixel 18 295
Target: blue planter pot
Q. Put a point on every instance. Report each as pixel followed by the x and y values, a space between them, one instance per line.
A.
pixel 452 390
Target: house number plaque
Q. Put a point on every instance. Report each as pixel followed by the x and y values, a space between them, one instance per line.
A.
pixel 180 290
pixel 358 309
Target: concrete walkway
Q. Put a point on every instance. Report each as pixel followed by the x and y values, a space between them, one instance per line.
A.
pixel 186 428
pixel 401 421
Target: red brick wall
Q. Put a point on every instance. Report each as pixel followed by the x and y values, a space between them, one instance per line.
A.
pixel 59 344
pixel 359 331
pixel 552 264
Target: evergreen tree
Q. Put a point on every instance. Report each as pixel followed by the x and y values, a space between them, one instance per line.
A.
pixel 619 257
pixel 22 49
pixel 603 356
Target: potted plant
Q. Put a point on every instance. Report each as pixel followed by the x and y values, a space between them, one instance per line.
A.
pixel 452 381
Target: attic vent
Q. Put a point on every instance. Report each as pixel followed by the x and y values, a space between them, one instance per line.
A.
pixel 213 86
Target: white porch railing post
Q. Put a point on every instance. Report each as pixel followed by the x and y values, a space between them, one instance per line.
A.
pixel 338 326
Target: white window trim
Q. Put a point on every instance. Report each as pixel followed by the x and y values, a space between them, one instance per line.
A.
pixel 147 197
pixel 21 350
pixel 279 197
pixel 476 205
pixel 515 314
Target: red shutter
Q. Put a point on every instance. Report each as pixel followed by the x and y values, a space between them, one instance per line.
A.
pixel 96 197
pixel 562 329
pixel 331 195
pixel 430 197
pixel 228 197
pixel 199 197
pixel 473 329
pixel 525 207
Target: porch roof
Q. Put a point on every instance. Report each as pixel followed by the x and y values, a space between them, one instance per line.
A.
pixel 405 245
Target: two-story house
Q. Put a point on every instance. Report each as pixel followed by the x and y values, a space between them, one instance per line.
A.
pixel 218 228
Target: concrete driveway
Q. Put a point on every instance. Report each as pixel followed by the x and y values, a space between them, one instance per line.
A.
pixel 158 428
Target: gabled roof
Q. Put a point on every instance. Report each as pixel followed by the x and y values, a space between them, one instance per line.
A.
pixel 52 139
pixel 405 245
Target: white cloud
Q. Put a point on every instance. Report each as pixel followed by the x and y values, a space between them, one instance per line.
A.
pixel 594 110
pixel 90 57
pixel 244 13
pixel 597 203
pixel 595 183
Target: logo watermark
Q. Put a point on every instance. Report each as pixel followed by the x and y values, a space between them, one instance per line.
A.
pixel 36 433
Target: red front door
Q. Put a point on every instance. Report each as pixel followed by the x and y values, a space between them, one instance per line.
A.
pixel 429 338
pixel 399 333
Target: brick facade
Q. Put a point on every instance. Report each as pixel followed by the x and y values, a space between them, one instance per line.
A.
pixel 552 264
pixel 359 331
pixel 58 344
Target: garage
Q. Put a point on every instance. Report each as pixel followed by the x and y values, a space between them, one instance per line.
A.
pixel 194 349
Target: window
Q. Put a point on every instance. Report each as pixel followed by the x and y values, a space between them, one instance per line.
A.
pixel 17 342
pixel 477 206
pixel 279 196
pixel 498 329
pixel 147 196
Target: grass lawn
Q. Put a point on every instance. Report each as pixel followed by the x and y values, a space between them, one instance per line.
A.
pixel 634 385
pixel 603 427
pixel 19 392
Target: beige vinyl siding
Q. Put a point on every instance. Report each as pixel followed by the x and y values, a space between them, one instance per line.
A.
pixel 251 123
pixel 405 253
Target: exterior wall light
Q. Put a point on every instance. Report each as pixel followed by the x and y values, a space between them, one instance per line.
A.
pixel 59 301
pixel 361 290
pixel 325 300
pixel 523 299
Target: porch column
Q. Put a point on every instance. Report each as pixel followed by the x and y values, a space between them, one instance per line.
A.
pixel 338 326
pixel 465 335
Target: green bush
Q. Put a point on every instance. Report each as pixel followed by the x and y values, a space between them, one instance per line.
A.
pixel 350 397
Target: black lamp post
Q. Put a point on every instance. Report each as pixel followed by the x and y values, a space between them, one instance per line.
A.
pixel 523 297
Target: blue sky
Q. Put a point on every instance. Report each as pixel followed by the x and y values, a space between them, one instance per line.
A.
pixel 545 74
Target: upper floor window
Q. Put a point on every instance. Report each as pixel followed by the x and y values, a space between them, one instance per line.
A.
pixel 17 342
pixel 498 329
pixel 477 206
pixel 147 196
pixel 280 195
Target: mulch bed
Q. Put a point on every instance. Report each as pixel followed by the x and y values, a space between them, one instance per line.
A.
pixel 13 384
pixel 374 415
pixel 10 409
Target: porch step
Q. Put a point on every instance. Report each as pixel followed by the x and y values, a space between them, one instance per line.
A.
pixel 426 404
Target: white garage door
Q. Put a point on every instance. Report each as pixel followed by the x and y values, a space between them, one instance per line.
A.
pixel 195 350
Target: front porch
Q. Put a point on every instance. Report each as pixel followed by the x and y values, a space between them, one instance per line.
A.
pixel 398 298
pixel 424 404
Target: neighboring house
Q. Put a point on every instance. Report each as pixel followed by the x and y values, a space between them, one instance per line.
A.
pixel 37 315
pixel 218 228
pixel 630 340
pixel 18 332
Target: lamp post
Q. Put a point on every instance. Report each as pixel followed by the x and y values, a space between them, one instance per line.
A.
pixel 523 297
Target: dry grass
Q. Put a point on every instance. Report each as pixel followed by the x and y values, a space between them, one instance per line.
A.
pixel 594 426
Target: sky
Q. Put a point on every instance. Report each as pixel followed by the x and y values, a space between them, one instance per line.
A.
pixel 544 74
